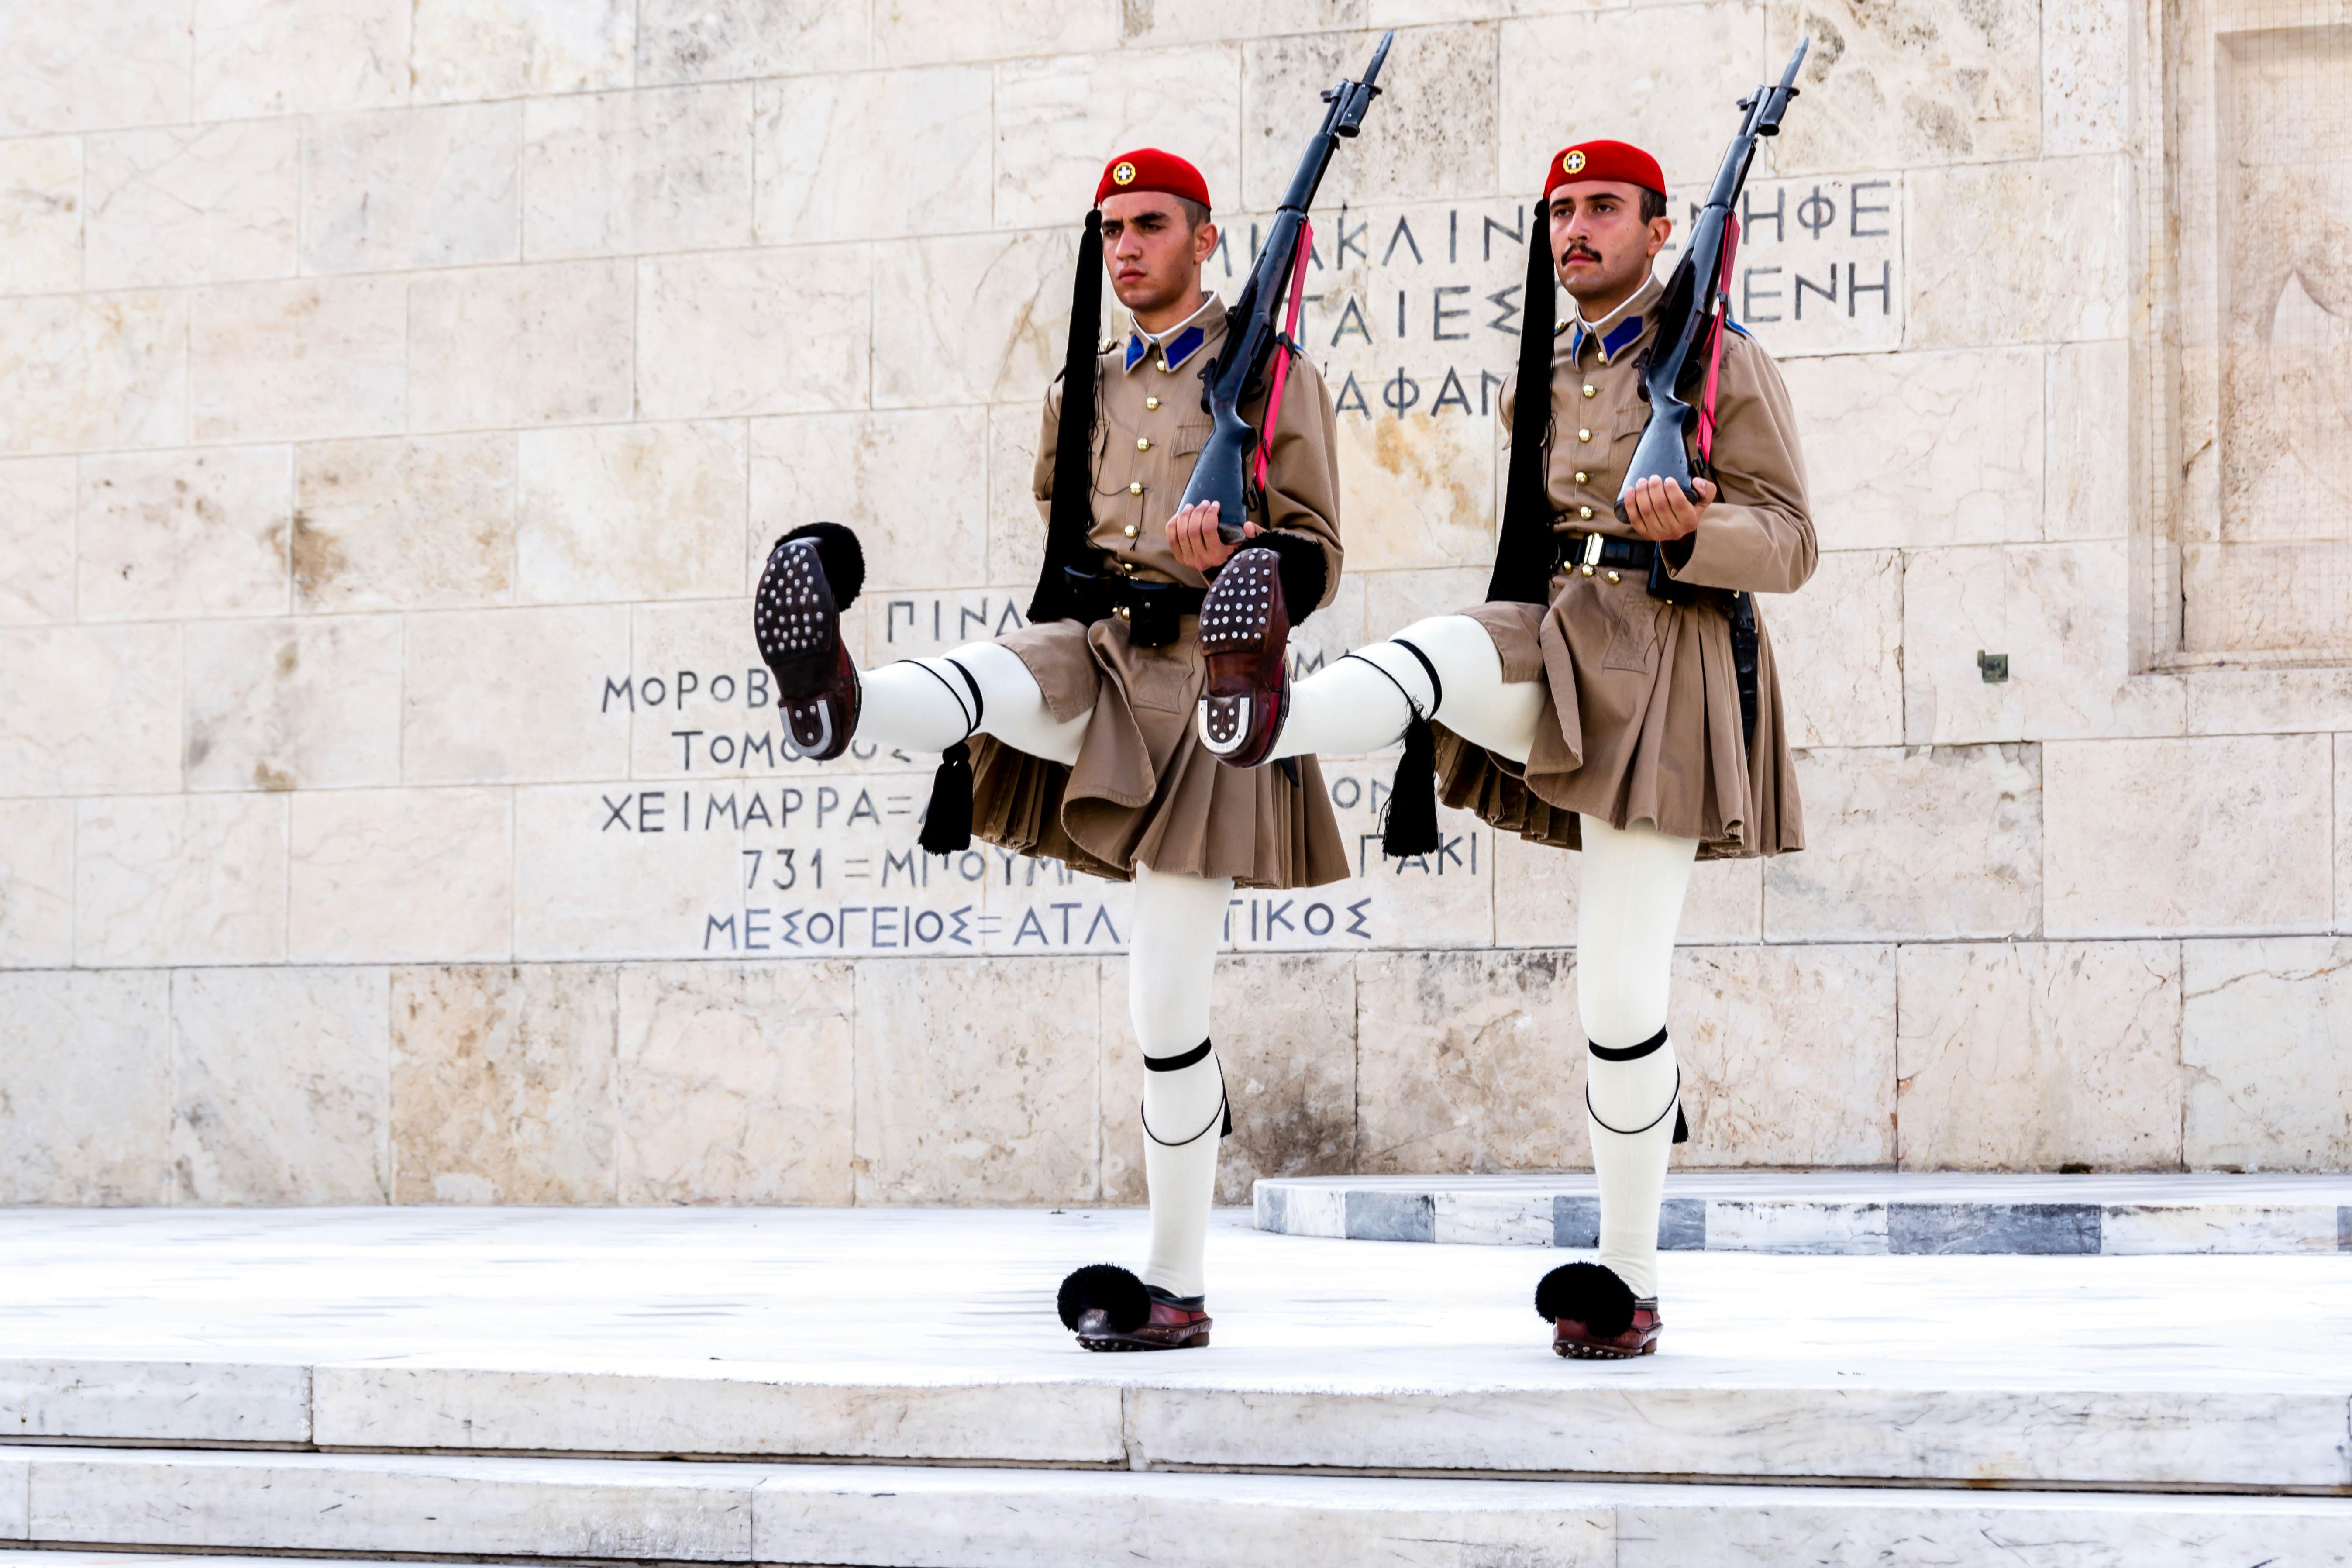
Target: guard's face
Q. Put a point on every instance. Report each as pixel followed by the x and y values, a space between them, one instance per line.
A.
pixel 1150 249
pixel 1599 242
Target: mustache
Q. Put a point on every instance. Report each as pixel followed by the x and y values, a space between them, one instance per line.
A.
pixel 1576 250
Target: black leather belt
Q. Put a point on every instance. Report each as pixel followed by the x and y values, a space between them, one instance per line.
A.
pixel 1154 611
pixel 1615 553
pixel 1594 553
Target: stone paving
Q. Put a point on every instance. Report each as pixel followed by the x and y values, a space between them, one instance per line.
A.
pixel 889 1387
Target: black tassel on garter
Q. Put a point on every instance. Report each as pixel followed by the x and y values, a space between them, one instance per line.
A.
pixel 946 821
pixel 1410 825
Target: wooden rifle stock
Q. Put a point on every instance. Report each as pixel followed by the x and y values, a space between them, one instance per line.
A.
pixel 1253 330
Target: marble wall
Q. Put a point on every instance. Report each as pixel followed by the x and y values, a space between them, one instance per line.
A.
pixel 397 398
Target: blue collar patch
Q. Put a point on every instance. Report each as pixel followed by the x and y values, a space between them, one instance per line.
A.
pixel 1174 353
pixel 1616 341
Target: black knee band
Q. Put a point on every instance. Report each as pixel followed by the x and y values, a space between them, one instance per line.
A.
pixel 1179 1061
pixel 1222 1123
pixel 979 703
pixel 1436 686
pixel 1631 1053
pixel 973 711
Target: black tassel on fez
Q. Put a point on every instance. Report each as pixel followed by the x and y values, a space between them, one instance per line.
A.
pixel 1409 826
pixel 946 821
pixel 1525 549
pixel 1070 516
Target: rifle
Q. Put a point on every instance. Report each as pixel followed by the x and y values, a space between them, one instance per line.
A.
pixel 1686 308
pixel 1221 472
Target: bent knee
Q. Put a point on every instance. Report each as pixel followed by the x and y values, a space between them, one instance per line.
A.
pixel 1460 648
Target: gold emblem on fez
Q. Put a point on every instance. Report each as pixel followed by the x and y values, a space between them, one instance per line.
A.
pixel 1573 162
pixel 1124 174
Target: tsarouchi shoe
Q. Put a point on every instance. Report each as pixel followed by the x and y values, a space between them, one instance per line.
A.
pixel 1111 1309
pixel 1245 641
pixel 812 574
pixel 1594 1316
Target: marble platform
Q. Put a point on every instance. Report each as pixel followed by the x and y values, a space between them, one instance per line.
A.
pixel 889 1387
pixel 938 1517
pixel 1855 1214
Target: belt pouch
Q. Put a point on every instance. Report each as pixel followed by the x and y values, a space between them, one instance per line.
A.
pixel 1155 614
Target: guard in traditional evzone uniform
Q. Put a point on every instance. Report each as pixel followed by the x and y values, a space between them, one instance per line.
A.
pixel 1615 694
pixel 1081 742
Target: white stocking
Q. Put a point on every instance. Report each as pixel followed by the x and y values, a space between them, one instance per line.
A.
pixel 1358 703
pixel 1178 925
pixel 926 705
pixel 1631 903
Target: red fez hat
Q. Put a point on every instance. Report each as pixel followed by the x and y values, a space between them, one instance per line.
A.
pixel 1604 161
pixel 1150 169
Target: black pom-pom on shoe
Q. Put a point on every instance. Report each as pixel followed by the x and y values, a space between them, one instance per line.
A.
pixel 1121 1296
pixel 1586 1293
pixel 843 558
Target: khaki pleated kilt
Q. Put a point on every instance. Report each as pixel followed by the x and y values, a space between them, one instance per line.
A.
pixel 1641 721
pixel 1144 790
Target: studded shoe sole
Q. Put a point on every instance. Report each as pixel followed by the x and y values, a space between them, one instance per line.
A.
pixel 1589 1350
pixel 1165 1331
pixel 1246 640
pixel 1640 1338
pixel 798 627
pixel 1194 1341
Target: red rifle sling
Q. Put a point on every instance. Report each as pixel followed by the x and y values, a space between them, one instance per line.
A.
pixel 1282 359
pixel 1714 340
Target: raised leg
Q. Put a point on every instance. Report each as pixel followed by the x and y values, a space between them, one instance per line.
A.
pixel 1363 703
pixel 929 704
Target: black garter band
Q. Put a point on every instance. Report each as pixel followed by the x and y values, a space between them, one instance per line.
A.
pixel 1177 1063
pixel 1633 1054
pixel 977 710
pixel 1436 686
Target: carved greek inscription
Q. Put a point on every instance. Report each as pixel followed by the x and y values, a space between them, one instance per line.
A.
pixel 826 862
pixel 1416 310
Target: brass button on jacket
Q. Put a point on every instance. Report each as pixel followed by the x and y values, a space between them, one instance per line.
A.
pixel 1584 435
pixel 1143 443
pixel 1585 512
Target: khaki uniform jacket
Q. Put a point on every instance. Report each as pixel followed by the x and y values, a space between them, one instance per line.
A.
pixel 1143 789
pixel 1642 720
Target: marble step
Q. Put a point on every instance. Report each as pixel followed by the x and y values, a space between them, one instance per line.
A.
pixel 357 1506
pixel 1854 1213
pixel 1540 1418
pixel 927 1337
pixel 62 1557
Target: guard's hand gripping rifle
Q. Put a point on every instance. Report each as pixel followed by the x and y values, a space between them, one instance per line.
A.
pixel 1220 473
pixel 1697 299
